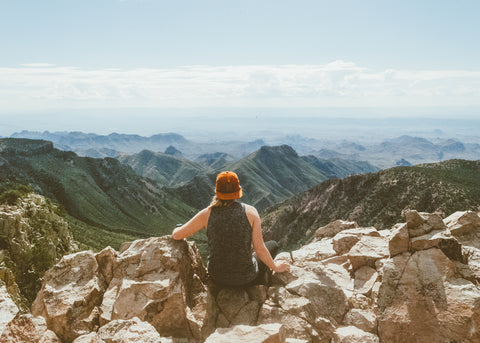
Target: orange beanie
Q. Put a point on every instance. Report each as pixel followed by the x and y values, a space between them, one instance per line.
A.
pixel 228 186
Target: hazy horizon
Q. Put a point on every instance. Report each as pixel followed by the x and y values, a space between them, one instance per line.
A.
pixel 262 123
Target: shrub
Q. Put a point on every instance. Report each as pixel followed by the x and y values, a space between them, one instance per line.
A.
pixel 10 197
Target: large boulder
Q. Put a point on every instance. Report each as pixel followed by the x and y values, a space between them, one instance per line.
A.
pixel 346 239
pixel 158 280
pixel 422 299
pixel 70 295
pixel 367 251
pixel 331 229
pixel 161 281
pixel 399 240
pixel 463 223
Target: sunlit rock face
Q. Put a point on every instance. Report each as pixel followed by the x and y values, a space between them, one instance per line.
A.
pixel 414 283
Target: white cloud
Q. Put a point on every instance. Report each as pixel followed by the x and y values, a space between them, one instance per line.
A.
pixel 339 83
pixel 37 65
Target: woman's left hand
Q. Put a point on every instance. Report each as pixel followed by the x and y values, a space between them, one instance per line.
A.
pixel 281 266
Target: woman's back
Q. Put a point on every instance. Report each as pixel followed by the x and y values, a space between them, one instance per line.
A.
pixel 229 235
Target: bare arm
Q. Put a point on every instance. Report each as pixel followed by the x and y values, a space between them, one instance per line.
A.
pixel 198 222
pixel 259 244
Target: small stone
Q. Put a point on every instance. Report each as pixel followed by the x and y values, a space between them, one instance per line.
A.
pixel 421 223
pixel 461 223
pixel 271 333
pixel 365 278
pixel 399 240
pixel 352 334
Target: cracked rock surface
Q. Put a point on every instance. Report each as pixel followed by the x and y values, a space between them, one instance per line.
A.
pixel 414 283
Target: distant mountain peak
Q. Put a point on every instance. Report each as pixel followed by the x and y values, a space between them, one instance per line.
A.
pixel 403 163
pixel 172 151
pixel 281 149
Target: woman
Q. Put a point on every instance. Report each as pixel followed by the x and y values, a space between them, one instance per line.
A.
pixel 232 229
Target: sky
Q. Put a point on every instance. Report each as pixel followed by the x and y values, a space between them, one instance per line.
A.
pixel 85 57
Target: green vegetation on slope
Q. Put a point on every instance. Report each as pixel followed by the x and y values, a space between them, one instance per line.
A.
pixel 33 237
pixel 102 193
pixel 267 176
pixel 376 199
pixel 165 169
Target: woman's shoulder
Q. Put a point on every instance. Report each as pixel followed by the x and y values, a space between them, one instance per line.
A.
pixel 249 209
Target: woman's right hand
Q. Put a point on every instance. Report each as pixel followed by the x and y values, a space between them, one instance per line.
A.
pixel 281 266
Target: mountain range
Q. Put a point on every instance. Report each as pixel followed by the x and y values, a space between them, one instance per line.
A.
pixel 376 199
pixel 115 144
pixel 402 150
pixel 267 176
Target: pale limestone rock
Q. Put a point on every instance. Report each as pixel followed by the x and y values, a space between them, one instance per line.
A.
pixel 161 281
pixel 333 228
pixel 365 278
pixel 266 333
pixel 326 285
pixel 367 251
pixel 398 240
pixel 346 239
pixel 71 290
pixel 49 337
pixel 106 259
pixel 294 326
pixel 441 240
pixel 470 271
pixel 428 241
pixel 421 223
pixel 126 331
pixel 352 334
pixel 422 299
pixel 419 296
pixel 362 231
pixel 92 337
pixel 26 328
pixel 463 222
pixel 362 319
pixel 328 300
pixel 8 309
pixel 335 271
pixel 342 243
pixel 315 252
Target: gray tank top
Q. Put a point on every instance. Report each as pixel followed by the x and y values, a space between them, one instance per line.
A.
pixel 230 260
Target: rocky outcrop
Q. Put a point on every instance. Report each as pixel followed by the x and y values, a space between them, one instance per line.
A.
pixel 414 283
pixel 158 280
pixel 33 237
